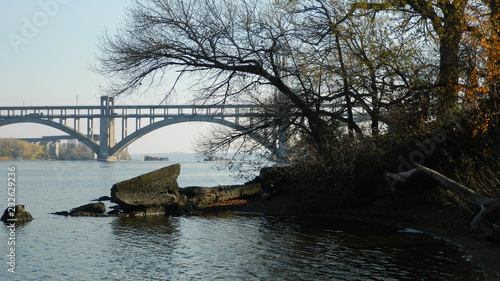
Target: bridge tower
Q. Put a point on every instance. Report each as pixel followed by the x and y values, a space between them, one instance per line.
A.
pixel 107 130
pixel 283 148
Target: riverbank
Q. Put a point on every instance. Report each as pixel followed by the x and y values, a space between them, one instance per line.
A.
pixel 447 221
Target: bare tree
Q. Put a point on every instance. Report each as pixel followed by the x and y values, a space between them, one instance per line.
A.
pixel 235 46
pixel 298 59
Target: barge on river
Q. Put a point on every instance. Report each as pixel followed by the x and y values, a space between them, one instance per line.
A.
pixel 155 158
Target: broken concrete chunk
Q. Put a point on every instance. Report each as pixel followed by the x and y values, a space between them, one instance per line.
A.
pixel 156 188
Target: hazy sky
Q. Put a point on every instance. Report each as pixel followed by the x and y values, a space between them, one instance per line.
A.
pixel 46 50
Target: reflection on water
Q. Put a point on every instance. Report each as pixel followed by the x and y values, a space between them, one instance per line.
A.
pixel 217 247
pixel 243 247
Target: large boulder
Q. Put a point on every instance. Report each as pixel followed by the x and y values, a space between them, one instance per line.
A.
pixel 156 188
pixel 17 214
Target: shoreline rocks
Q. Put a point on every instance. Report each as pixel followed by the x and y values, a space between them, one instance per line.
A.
pixel 204 196
pixel 158 193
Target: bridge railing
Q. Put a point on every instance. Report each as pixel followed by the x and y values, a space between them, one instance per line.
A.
pixel 184 110
pixel 125 111
pixel 49 111
pixel 145 111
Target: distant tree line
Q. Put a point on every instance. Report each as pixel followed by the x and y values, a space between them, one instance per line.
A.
pixel 74 151
pixel 11 149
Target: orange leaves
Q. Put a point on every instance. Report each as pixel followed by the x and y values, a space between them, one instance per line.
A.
pixel 483 121
pixel 481 43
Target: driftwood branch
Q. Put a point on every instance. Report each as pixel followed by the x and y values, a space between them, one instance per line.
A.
pixel 488 205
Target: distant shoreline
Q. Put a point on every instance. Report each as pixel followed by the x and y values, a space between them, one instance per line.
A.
pixel 135 157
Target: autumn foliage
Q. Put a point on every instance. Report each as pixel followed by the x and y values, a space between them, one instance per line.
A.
pixel 13 149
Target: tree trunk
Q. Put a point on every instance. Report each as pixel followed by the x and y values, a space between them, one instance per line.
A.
pixel 488 205
pixel 351 125
pixel 450 35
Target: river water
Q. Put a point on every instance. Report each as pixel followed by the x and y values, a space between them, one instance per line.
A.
pixel 216 247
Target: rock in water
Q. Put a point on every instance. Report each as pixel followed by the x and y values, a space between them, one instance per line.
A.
pixel 88 210
pixel 18 213
pixel 156 188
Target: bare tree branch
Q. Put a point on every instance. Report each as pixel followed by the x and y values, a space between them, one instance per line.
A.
pixel 488 205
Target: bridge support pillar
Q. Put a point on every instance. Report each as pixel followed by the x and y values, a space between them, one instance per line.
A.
pixel 107 130
pixel 282 148
pixel 101 158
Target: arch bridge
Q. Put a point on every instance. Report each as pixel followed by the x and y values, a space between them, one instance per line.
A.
pixel 96 126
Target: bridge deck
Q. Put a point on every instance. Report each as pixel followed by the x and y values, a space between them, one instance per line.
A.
pixel 125 111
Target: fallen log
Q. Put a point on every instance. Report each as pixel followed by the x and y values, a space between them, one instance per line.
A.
pixel 488 205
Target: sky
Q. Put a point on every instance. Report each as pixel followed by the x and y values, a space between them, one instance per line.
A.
pixel 47 50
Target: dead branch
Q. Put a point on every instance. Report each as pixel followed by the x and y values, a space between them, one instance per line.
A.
pixel 488 205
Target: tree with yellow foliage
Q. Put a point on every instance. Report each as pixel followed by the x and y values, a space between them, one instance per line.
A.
pixel 13 149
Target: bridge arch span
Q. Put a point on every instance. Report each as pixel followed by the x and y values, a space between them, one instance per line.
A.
pixel 77 135
pixel 183 119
